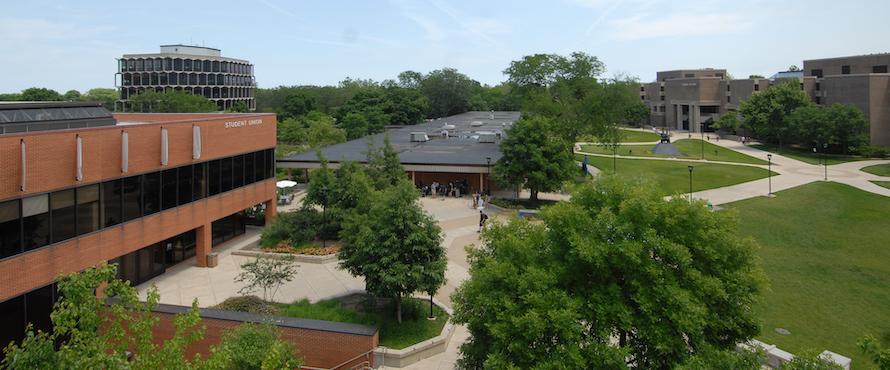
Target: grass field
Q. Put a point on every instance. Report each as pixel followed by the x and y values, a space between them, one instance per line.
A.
pixel 885 184
pixel 414 328
pixel 806 155
pixel 880 169
pixel 634 136
pixel 672 177
pixel 689 149
pixel 824 247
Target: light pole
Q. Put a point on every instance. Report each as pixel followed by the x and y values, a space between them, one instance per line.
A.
pixel 614 160
pixel 825 159
pixel 769 170
pixel 702 129
pixel 690 183
pixel 488 176
pixel 324 215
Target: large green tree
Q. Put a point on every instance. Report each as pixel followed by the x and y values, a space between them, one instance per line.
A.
pixel 766 113
pixel 40 94
pixel 533 157
pixel 296 104
pixel 617 277
pixel 150 101
pixel 842 127
pixel 448 92
pixel 384 166
pixel 396 246
pixel 106 96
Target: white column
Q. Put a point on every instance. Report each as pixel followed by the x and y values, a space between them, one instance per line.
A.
pixel 694 118
pixel 679 109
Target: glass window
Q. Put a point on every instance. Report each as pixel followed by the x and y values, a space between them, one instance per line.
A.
pixel 10 229
pixel 225 175
pixel 238 171
pixel 132 197
pixel 199 182
pixel 196 66
pixel 35 221
pixel 168 189
pixel 185 185
pixel 151 193
pixel 88 209
pixel 213 172
pixel 270 163
pixel 879 69
pixel 202 79
pixel 139 65
pixel 248 169
pixel 259 165
pixel 111 203
pixel 187 65
pixel 39 305
pixel 207 66
pixel 845 70
pixel 168 64
pixel 12 315
pixel 63 215
pixel 177 65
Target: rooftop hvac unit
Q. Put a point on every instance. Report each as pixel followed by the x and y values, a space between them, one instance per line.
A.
pixel 476 123
pixel 448 127
pixel 487 137
pixel 419 137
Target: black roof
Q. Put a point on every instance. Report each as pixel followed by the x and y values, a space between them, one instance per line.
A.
pixel 18 117
pixel 461 148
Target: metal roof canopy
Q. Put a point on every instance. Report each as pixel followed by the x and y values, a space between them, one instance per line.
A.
pixel 18 117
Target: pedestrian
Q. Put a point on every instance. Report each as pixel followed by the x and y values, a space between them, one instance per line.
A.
pixel 435 188
pixel 482 218
pixel 481 203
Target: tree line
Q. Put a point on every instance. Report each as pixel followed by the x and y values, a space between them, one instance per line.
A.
pixel 106 96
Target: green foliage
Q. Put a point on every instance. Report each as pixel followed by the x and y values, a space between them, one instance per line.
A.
pixel 755 77
pixel 150 101
pixel 266 274
pixel 384 166
pixel 321 185
pixel 728 122
pixel 767 113
pixel 448 92
pixel 247 303
pixel 842 127
pixel 874 151
pixel 256 346
pixel 352 188
pixel 872 348
pixel 238 107
pixel 667 279
pixel 40 94
pixel 809 360
pixel 296 104
pixel 295 227
pixel 71 95
pixel 534 158
pixel 395 246
pixel 709 358
pixel 103 95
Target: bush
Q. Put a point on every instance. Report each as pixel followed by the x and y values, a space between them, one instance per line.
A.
pixel 254 346
pixel 295 228
pixel 249 303
pixel 874 151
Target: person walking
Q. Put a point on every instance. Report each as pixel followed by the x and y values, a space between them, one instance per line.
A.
pixel 482 219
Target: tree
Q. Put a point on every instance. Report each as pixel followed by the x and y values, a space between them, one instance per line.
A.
pixel 793 68
pixel 810 360
pixel 352 189
pixel 238 107
pixel 766 113
pixel 384 166
pixel 257 346
pixel 872 348
pixel 150 101
pixel 71 95
pixel 840 126
pixel 40 94
pixel 320 131
pixel 617 277
pixel 404 106
pixel 395 246
pixel 267 274
pixel 296 104
pixel 410 79
pixel 728 122
pixel 756 77
pixel 448 92
pixel 321 184
pixel 103 95
pixel 534 158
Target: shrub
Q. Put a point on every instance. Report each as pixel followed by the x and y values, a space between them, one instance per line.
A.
pixel 254 346
pixel 874 151
pixel 296 228
pixel 249 303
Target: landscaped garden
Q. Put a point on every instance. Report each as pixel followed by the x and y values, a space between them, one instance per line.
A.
pixel 672 177
pixel 878 169
pixel 824 248
pixel 689 149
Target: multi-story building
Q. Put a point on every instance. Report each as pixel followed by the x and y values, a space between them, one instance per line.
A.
pixel 195 69
pixel 692 99
pixel 862 81
pixel 79 186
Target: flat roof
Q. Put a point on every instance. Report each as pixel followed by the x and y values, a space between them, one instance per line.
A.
pixel 461 148
pixel 20 117
pixel 849 57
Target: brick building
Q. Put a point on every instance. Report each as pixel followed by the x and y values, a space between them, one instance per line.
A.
pixel 79 186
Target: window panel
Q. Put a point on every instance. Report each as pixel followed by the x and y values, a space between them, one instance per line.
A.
pixel 111 203
pixel 132 198
pixel 151 193
pixel 39 304
pixel 10 229
pixel 63 215
pixel 248 168
pixel 238 171
pixel 185 185
pixel 12 315
pixel 213 178
pixel 88 215
pixel 270 163
pixel 168 189
pixel 225 175
pixel 199 182
pixel 259 164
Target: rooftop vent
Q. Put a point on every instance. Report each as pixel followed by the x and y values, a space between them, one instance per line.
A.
pixel 448 127
pixel 419 137
pixel 487 137
pixel 476 123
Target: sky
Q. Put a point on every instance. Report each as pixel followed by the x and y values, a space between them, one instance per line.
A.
pixel 72 44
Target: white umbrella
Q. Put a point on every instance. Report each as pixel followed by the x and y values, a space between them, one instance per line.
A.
pixel 285 184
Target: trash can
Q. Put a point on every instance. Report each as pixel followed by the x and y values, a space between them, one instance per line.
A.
pixel 212 260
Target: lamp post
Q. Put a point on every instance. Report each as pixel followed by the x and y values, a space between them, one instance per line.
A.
pixel 488 176
pixel 614 159
pixel 690 183
pixel 431 317
pixel 825 159
pixel 702 129
pixel 769 170
pixel 324 214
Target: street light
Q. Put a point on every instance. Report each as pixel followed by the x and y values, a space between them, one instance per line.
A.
pixel 825 159
pixel 690 183
pixel 769 170
pixel 488 176
pixel 702 126
pixel 324 215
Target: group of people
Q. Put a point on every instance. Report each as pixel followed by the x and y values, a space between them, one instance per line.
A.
pixel 451 189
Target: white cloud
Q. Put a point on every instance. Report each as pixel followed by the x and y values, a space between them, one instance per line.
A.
pixel 432 30
pixel 641 27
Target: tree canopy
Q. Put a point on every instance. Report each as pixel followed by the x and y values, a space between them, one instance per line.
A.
pixel 842 127
pixel 150 101
pixel 533 157
pixel 766 113
pixel 617 277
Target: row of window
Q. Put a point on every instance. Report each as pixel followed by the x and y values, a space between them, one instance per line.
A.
pixel 187 65
pixel 39 220
pixel 139 79
pixel 207 92
pixel 30 308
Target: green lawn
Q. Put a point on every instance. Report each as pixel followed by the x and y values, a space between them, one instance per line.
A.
pixel 414 328
pixel 807 155
pixel 824 247
pixel 689 149
pixel 878 169
pixel 633 136
pixel 885 184
pixel 672 177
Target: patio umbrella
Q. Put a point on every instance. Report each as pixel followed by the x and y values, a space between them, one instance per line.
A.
pixel 285 184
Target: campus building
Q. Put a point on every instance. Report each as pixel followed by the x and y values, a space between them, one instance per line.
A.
pixel 692 99
pixel 461 148
pixel 195 69
pixel 80 185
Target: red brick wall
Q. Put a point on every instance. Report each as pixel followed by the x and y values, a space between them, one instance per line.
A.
pixel 319 349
